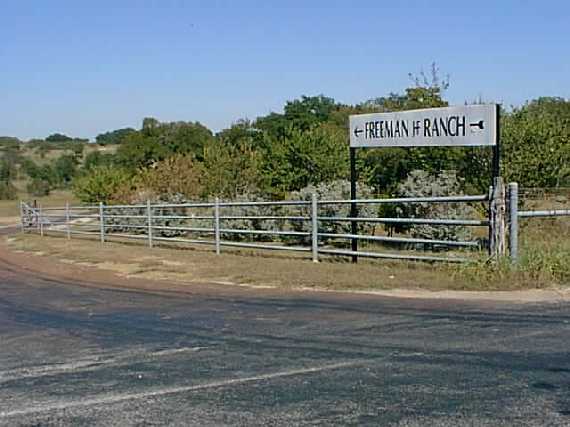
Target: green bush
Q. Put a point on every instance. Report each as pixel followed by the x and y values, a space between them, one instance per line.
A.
pixel 101 185
pixel 8 191
pixel 38 187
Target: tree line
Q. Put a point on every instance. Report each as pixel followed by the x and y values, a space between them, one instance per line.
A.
pixel 305 145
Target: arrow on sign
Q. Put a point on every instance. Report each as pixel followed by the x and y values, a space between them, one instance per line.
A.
pixel 357 132
pixel 478 124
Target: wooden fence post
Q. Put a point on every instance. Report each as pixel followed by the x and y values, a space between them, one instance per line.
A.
pixel 497 220
pixel 514 222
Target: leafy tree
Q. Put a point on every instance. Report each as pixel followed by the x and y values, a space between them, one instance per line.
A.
pixel 157 141
pixel 7 173
pixel 7 170
pixel 97 159
pixel 305 157
pixel 238 132
pixel 536 143
pixel 232 168
pixel 302 114
pixel 58 137
pixel 139 151
pixel 9 143
pixel 179 175
pixel 114 137
pixel 101 185
pixel 65 169
pixel 77 149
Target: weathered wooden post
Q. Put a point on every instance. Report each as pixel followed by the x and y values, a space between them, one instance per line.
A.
pixel 514 222
pixel 497 222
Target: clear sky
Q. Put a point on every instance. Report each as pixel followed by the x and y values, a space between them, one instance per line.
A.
pixel 83 67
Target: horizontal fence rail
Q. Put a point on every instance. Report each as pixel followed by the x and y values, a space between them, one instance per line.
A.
pixel 544 214
pixel 318 227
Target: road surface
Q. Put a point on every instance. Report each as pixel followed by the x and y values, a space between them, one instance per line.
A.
pixel 78 355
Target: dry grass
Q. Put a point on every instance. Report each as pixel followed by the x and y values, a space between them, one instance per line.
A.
pixel 10 209
pixel 283 270
pixel 238 267
pixel 35 153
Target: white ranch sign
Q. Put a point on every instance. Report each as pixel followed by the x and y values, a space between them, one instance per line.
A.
pixel 469 125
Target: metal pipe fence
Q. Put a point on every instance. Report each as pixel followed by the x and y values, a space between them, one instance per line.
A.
pixel 515 213
pixel 291 225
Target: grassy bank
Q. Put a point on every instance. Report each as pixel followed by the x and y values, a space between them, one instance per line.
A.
pixel 544 259
pixel 10 209
pixel 545 263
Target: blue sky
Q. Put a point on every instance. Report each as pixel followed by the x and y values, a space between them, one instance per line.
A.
pixel 84 67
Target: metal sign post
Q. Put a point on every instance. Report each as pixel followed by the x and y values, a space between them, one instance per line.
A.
pixel 462 126
pixel 353 207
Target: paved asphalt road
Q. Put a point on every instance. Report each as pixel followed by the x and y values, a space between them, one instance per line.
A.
pixel 76 355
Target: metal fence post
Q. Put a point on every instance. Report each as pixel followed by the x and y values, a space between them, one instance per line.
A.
pixel 41 220
pixel 217 224
pixel 22 220
pixel 149 220
pixel 67 224
pixel 314 228
pixel 514 222
pixel 102 221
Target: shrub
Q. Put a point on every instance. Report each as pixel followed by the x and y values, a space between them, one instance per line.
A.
pixel 38 187
pixel 8 191
pixel 101 185
pixel 251 224
pixel 422 184
pixel 161 217
pixel 336 190
pixel 177 176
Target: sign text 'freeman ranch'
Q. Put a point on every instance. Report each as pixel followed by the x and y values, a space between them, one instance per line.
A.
pixel 469 125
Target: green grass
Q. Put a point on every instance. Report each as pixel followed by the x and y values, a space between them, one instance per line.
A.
pixel 544 260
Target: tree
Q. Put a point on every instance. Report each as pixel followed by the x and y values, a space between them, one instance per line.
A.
pixel 101 185
pixel 157 141
pixel 302 114
pixel 536 143
pixel 97 159
pixel 114 137
pixel 305 157
pixel 178 175
pixel 65 169
pixel 139 151
pixel 232 168
pixel 58 137
pixel 7 173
